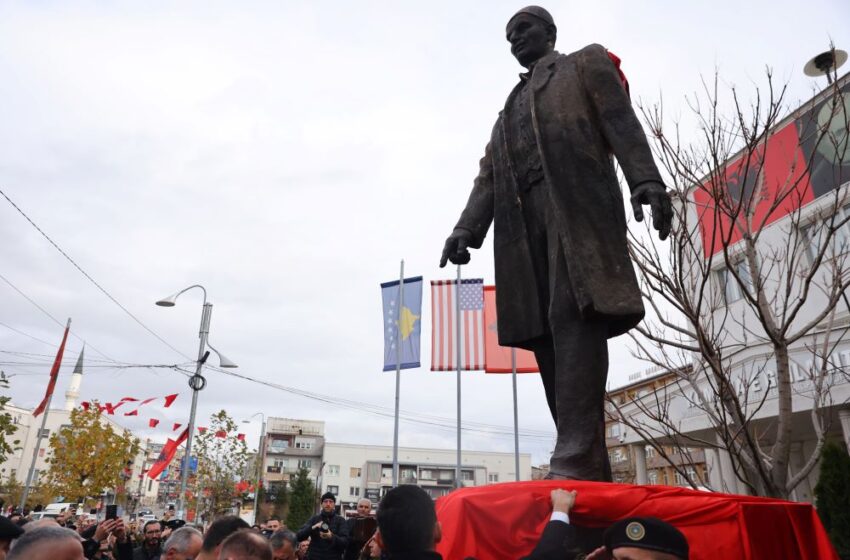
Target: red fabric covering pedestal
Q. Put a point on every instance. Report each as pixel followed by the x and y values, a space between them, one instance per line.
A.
pixel 504 521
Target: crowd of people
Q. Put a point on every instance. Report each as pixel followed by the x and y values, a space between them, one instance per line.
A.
pixel 405 528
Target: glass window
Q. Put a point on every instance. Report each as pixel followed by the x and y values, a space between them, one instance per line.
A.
pixel 354 491
pixel 333 470
pixel 279 444
pixel 731 288
pixel 354 472
pixel 333 489
pixel 650 452
pixel 467 475
pixel 493 477
pixel 305 463
pixel 653 477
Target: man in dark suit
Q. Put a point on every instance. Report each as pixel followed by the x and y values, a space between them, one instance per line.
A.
pixel 634 538
pixel 548 184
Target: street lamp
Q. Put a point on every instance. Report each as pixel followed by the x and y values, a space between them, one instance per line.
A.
pixel 261 456
pixel 197 382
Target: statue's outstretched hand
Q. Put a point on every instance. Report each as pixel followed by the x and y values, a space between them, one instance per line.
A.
pixel 455 249
pixel 654 194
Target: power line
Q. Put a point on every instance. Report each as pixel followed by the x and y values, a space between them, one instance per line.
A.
pixel 52 318
pixel 89 278
pixel 370 408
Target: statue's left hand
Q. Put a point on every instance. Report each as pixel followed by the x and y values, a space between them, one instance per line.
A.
pixel 654 194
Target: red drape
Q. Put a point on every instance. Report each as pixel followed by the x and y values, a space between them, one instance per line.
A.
pixel 505 520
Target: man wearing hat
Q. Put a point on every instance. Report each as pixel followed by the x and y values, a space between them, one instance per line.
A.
pixel 8 532
pixel 327 531
pixel 633 538
pixel 548 184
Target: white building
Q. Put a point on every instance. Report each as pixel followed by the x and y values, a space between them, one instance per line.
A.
pixel 355 471
pixel 787 249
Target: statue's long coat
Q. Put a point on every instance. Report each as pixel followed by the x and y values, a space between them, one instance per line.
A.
pixel 581 115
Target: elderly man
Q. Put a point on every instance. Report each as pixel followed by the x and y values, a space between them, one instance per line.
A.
pixel 360 529
pixel 284 544
pixel 548 184
pixel 50 542
pixel 183 544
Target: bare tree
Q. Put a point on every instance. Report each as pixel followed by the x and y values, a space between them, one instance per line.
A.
pixel 747 303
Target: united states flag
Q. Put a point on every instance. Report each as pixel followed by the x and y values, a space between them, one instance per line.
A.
pixel 444 294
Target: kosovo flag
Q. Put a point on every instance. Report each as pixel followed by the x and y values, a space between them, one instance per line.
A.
pixel 402 325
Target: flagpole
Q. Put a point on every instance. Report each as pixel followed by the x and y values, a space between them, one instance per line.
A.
pixel 458 342
pixel 38 440
pixel 398 371
pixel 516 415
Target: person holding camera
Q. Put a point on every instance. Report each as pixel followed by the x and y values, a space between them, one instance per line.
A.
pixel 327 531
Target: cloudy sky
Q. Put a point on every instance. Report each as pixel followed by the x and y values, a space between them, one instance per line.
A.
pixel 287 155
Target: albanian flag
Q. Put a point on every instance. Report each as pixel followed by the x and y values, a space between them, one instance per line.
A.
pixel 167 454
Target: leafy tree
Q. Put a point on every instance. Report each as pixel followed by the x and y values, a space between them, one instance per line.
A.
pixel 222 463
pixel 7 427
pixel 302 499
pixel 832 496
pixel 88 456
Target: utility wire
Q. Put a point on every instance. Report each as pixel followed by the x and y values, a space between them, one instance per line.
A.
pixel 54 319
pixel 90 279
pixel 378 410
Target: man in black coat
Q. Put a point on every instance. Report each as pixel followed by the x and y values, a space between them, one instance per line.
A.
pixel 327 531
pixel 547 183
pixel 634 538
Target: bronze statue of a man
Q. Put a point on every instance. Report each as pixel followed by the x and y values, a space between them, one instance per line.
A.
pixel 547 182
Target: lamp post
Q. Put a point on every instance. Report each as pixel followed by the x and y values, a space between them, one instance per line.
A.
pixel 261 457
pixel 197 382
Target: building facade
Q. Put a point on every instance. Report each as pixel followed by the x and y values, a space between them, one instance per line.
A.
pixel 768 264
pixel 352 471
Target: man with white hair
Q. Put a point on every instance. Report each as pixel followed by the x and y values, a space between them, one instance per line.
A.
pixel 49 541
pixel 184 543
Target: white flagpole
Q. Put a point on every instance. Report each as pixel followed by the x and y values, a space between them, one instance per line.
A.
pixel 398 371
pixel 516 415
pixel 457 353
pixel 38 442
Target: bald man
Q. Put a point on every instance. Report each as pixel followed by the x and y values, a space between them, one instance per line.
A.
pixel 47 541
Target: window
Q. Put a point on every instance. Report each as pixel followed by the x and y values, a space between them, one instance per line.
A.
pixel 493 477
pixel 653 477
pixel 280 463
pixel 680 480
pixel 650 452
pixel 692 473
pixel 618 456
pixel 614 430
pixel 333 470
pixel 354 491
pixel 387 472
pixel 731 288
pixel 816 231
pixel 426 474
pixel 305 463
pixel 354 472
pixel 333 489
pixel 467 476
pixel 301 443
pixel 447 475
pixel 278 445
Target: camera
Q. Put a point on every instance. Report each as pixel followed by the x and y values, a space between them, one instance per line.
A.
pixel 325 528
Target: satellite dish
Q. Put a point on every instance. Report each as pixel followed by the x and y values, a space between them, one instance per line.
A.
pixel 825 63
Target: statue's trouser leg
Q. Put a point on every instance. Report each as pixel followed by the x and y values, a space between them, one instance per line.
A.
pixel 574 367
pixel 573 357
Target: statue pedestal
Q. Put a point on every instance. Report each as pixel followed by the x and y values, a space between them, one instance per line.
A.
pixel 504 521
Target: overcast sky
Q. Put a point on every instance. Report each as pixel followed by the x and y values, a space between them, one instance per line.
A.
pixel 287 155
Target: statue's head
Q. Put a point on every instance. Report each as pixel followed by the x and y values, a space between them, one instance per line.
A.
pixel 531 33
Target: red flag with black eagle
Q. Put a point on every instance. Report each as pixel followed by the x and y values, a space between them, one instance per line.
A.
pixel 167 454
pixel 54 373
